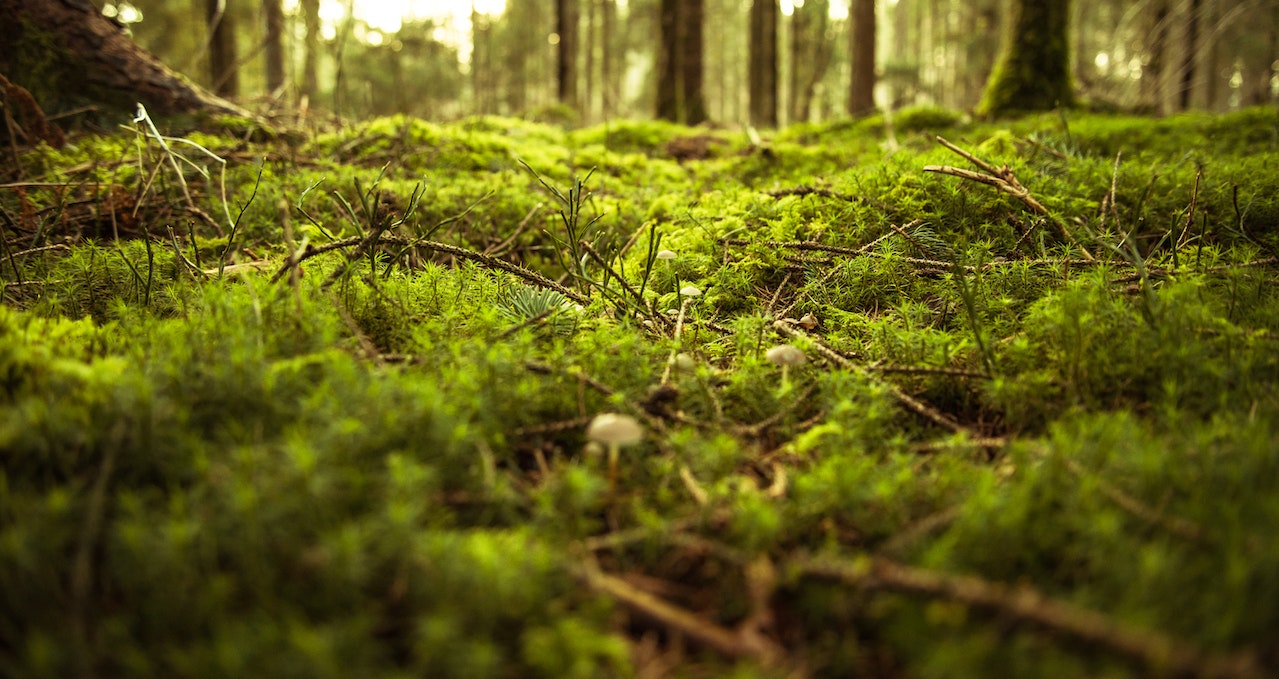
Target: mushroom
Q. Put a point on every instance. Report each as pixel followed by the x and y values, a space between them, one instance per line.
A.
pixel 614 430
pixel 690 291
pixel 669 257
pixel 786 355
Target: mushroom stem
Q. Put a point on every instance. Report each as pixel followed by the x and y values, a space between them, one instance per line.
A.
pixel 614 451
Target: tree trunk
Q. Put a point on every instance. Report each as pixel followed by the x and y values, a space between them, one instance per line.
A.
pixel 68 55
pixel 691 21
pixel 861 45
pixel 608 75
pixel 679 76
pixel 1189 64
pixel 566 67
pixel 274 47
pixel 1033 72
pixel 1155 61
pixel 311 52
pixel 224 67
pixel 763 63
pixel 668 71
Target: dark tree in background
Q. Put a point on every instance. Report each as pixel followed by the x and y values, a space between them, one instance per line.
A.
pixel 1033 71
pixel 680 56
pixel 810 55
pixel 311 50
pixel 763 63
pixel 273 44
pixel 861 49
pixel 224 67
pixel 566 26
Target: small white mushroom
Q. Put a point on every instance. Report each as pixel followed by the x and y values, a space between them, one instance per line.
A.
pixel 786 355
pixel 690 291
pixel 666 254
pixel 615 431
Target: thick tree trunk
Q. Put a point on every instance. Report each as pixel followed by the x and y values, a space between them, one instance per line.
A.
pixel 861 44
pixel 274 47
pixel 763 63
pixel 1033 72
pixel 68 55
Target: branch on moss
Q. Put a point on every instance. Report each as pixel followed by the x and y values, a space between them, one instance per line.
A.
pixel 482 259
pixel 1004 180
pixel 746 641
pixel 909 402
pixel 1159 653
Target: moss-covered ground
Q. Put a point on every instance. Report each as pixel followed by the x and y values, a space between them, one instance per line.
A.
pixel 318 407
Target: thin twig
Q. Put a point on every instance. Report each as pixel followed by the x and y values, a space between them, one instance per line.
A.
pixel 906 400
pixel 1160 653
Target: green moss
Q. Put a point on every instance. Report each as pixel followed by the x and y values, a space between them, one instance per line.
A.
pixel 379 466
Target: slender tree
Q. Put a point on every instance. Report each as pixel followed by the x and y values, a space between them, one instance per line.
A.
pixel 311 49
pixel 224 60
pixel 566 26
pixel 763 63
pixel 692 62
pixel 861 49
pixel 1033 71
pixel 273 46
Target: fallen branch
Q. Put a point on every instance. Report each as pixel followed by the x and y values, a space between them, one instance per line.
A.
pixel 909 402
pixel 484 260
pixel 1160 653
pixel 1004 180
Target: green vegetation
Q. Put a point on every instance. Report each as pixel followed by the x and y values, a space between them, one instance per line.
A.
pixel 320 409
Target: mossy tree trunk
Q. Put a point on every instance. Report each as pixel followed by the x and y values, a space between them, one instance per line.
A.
pixel 69 56
pixel 1033 71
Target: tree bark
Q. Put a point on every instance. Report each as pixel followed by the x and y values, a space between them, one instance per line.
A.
pixel 680 96
pixel 691 62
pixel 566 19
pixel 311 49
pixel 1155 61
pixel 1033 71
pixel 861 46
pixel 763 63
pixel 68 55
pixel 274 47
pixel 224 67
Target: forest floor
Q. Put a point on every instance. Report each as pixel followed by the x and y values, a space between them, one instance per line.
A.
pixel 318 406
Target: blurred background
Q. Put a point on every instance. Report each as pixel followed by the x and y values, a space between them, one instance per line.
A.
pixel 584 61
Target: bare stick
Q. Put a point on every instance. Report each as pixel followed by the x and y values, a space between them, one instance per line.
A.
pixel 1160 653
pixel 1004 180
pixel 909 402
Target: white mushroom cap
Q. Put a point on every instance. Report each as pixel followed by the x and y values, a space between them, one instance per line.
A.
pixel 615 430
pixel 666 254
pixel 690 291
pixel 786 354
